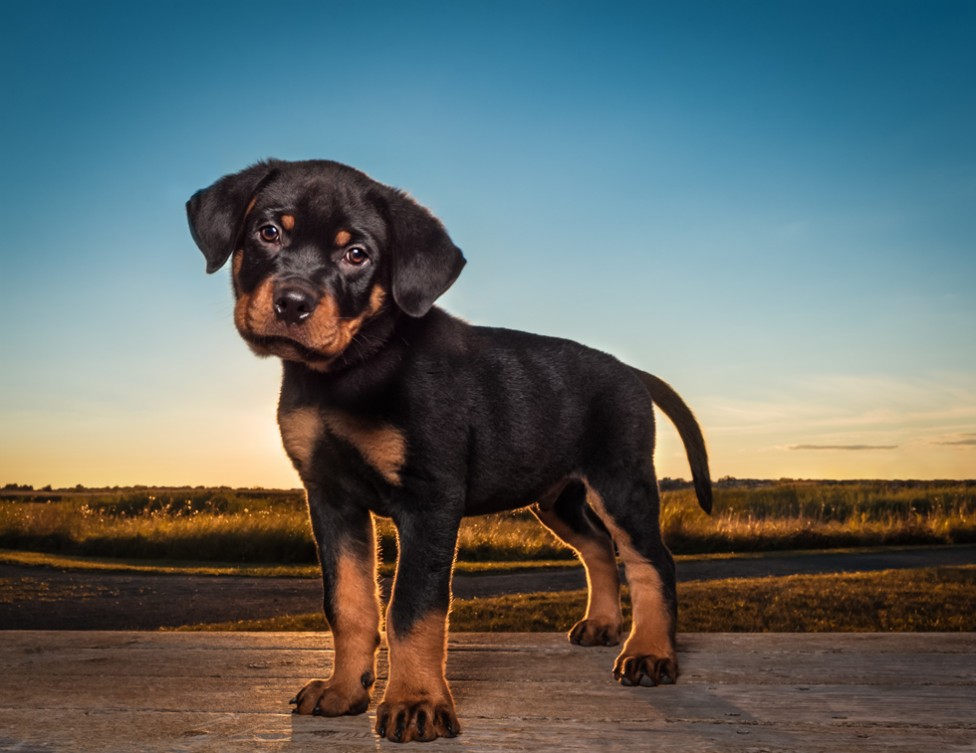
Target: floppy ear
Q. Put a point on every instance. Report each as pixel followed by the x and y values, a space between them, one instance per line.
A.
pixel 425 260
pixel 216 214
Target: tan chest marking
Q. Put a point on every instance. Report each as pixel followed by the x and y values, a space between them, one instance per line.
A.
pixel 381 445
pixel 300 432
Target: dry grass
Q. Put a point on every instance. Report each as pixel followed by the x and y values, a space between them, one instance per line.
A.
pixel 270 527
pixel 820 515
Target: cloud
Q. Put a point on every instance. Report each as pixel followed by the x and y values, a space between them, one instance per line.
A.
pixel 843 447
pixel 968 440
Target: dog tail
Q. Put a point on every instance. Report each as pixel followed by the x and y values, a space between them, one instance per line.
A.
pixel 688 429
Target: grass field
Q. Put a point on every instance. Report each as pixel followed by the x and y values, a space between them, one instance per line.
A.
pixel 260 532
pixel 255 527
pixel 928 599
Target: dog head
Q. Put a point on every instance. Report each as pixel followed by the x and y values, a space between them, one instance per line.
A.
pixel 321 252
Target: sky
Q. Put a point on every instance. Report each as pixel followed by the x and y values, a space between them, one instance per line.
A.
pixel 768 204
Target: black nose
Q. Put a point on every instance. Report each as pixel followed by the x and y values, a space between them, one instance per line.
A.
pixel 294 303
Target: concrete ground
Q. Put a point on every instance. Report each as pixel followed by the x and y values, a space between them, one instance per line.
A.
pixel 102 692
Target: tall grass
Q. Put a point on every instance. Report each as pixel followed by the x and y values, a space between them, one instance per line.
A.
pixel 200 526
pixel 813 515
pixel 263 527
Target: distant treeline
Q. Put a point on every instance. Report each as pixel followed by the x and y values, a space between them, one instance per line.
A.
pixel 667 484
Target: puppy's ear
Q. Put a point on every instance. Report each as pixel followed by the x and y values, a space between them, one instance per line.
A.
pixel 425 260
pixel 216 214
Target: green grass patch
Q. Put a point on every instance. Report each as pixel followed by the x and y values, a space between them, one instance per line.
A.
pixel 260 527
pixel 925 599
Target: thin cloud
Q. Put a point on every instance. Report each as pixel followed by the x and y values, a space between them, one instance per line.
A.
pixel 844 447
pixel 830 404
pixel 968 440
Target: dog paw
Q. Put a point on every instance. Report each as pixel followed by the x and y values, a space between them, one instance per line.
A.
pixel 323 698
pixel 645 670
pixel 418 719
pixel 594 632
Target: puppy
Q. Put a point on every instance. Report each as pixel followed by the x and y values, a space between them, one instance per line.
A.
pixel 392 407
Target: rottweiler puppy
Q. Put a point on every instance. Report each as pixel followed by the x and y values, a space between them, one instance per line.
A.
pixel 389 406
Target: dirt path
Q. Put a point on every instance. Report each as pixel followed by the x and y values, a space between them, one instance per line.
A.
pixel 48 599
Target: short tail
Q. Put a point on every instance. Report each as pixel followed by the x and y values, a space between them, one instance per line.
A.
pixel 688 429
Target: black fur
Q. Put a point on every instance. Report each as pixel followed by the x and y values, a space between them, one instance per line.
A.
pixel 490 419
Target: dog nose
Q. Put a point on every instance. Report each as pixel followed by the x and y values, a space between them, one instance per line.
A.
pixel 294 303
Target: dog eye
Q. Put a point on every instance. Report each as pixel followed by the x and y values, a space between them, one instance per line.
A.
pixel 356 256
pixel 269 233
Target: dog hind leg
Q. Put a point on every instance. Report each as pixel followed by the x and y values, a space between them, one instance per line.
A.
pixel 571 521
pixel 630 509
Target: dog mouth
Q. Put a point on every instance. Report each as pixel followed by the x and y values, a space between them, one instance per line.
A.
pixel 316 338
pixel 286 347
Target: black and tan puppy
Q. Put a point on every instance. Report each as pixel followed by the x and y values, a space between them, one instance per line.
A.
pixel 392 407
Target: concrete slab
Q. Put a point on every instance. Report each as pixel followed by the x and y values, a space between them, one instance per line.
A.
pixel 137 691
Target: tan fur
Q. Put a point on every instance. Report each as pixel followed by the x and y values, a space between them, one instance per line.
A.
pixel 288 221
pixel 355 633
pixel 325 332
pixel 342 238
pixel 600 564
pixel 603 582
pixel 357 618
pixel 300 432
pixel 348 328
pixel 381 445
pixel 254 312
pixel 418 660
pixel 650 634
pixel 251 314
pixel 240 312
pixel 320 366
pixel 377 297
pixel 418 704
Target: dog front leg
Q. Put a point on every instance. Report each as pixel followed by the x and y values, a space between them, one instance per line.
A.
pixel 347 553
pixel 418 704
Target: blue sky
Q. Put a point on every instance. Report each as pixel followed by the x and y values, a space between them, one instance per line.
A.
pixel 768 204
